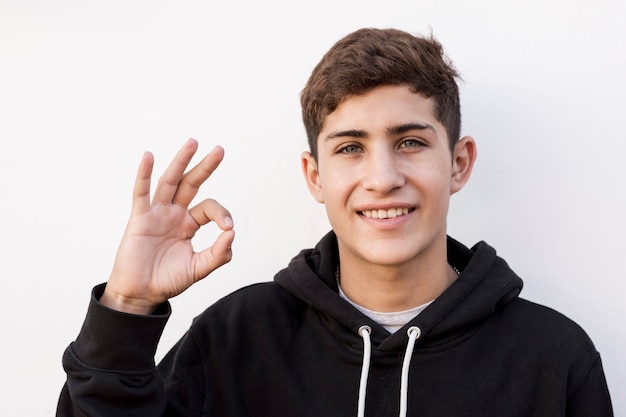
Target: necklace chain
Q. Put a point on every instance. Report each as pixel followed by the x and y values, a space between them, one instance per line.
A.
pixel 337 276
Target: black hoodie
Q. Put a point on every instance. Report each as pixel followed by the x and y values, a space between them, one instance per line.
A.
pixel 292 348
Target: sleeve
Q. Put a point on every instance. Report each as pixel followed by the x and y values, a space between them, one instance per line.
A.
pixel 110 367
pixel 591 396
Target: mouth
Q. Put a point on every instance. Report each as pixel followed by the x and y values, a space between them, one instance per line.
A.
pixel 386 214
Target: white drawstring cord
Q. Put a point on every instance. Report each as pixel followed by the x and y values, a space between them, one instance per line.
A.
pixel 364 332
pixel 414 333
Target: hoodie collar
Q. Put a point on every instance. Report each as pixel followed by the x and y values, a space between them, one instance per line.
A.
pixel 485 285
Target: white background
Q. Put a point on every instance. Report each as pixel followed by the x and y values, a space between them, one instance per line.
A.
pixel 86 87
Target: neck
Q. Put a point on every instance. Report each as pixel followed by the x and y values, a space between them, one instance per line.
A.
pixel 395 288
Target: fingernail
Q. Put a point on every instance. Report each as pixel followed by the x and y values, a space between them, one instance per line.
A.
pixel 229 222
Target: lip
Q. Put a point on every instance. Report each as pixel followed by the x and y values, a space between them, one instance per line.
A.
pixel 385 206
pixel 388 222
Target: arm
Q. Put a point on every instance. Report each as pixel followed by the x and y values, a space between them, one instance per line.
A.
pixel 110 367
pixel 591 397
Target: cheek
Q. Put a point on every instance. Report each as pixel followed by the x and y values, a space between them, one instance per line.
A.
pixel 334 194
pixel 436 187
pixel 334 182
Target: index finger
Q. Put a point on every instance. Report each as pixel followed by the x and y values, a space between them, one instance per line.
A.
pixel 192 180
pixel 170 180
pixel 141 190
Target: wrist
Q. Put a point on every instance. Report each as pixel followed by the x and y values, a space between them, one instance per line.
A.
pixel 126 304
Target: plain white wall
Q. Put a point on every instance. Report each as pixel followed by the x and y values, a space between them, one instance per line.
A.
pixel 86 87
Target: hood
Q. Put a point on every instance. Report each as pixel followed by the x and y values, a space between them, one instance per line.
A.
pixel 485 285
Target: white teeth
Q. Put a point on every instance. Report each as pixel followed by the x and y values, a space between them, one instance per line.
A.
pixel 385 214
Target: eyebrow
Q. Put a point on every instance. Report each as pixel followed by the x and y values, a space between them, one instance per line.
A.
pixel 392 130
pixel 352 133
pixel 407 127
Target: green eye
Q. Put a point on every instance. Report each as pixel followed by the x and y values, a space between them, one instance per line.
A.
pixel 350 149
pixel 411 143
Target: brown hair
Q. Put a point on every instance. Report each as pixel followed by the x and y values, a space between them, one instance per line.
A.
pixel 369 58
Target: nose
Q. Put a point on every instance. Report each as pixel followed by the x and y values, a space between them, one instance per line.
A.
pixel 383 172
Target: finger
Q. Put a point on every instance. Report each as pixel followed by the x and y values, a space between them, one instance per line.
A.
pixel 217 255
pixel 210 210
pixel 141 189
pixel 169 181
pixel 192 180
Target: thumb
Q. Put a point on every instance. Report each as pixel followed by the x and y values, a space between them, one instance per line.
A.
pixel 215 256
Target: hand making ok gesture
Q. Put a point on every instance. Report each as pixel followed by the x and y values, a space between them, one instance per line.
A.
pixel 155 260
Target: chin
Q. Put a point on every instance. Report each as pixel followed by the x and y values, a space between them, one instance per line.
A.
pixel 390 255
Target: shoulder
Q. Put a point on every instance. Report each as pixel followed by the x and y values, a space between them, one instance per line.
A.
pixel 547 332
pixel 256 318
pixel 556 345
pixel 537 317
pixel 255 304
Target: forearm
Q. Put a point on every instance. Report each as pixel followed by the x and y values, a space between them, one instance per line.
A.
pixel 110 367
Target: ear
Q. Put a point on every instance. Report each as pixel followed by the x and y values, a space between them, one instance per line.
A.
pixel 463 159
pixel 312 176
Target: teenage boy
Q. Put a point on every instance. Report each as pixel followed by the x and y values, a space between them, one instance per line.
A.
pixel 385 316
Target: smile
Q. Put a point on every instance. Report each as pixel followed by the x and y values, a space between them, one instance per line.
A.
pixel 386 214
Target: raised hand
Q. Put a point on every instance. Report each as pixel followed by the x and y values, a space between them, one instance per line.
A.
pixel 155 260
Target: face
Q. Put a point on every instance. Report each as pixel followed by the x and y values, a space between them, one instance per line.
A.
pixel 385 174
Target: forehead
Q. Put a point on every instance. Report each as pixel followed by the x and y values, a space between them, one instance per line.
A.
pixel 380 109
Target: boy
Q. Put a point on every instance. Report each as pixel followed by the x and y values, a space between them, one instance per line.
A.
pixel 385 316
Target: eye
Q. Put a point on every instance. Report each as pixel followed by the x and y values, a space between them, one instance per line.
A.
pixel 411 143
pixel 350 149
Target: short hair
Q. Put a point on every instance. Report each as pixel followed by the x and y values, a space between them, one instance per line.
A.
pixel 369 58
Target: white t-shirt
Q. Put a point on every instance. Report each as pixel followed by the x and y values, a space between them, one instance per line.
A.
pixel 392 321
